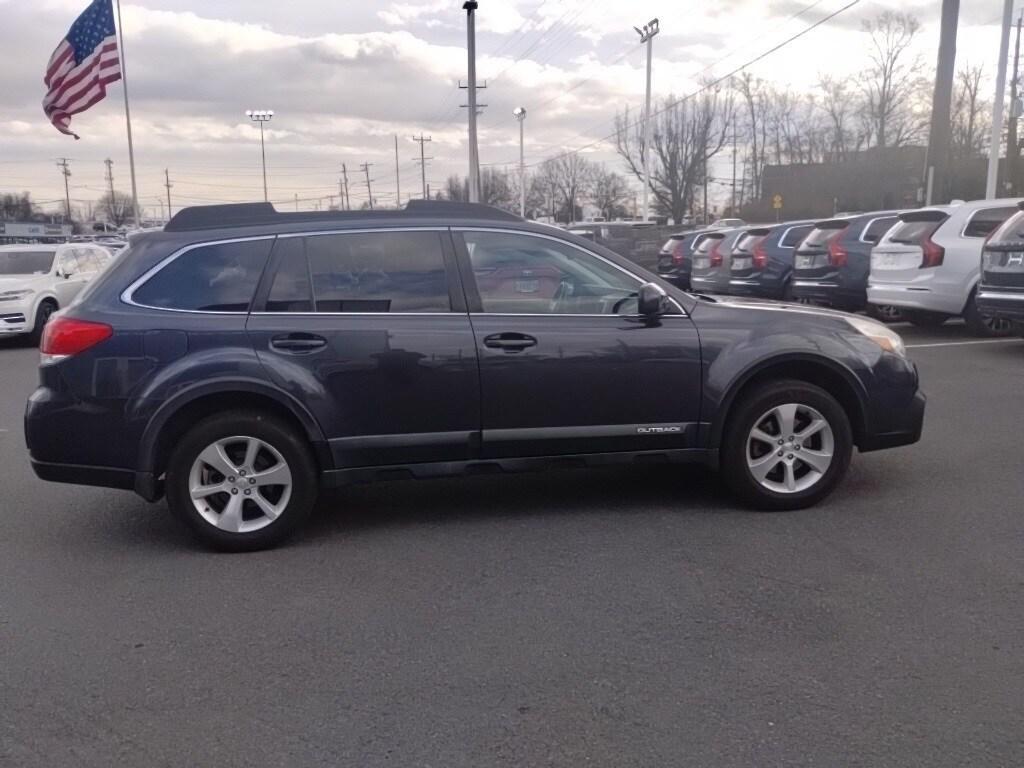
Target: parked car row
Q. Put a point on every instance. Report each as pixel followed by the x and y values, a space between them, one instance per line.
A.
pixel 922 265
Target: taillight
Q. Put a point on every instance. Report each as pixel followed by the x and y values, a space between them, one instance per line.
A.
pixel 66 336
pixel 716 254
pixel 932 254
pixel 679 252
pixel 837 254
pixel 760 260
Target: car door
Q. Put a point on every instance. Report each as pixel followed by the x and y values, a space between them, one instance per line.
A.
pixel 566 364
pixel 70 278
pixel 369 330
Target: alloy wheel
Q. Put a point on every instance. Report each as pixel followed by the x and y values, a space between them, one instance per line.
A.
pixel 240 484
pixel 790 448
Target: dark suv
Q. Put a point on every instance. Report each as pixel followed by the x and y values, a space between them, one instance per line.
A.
pixel 762 260
pixel 1000 293
pixel 676 258
pixel 242 358
pixel 833 262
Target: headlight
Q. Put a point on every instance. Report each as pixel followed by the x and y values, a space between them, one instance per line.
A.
pixel 16 295
pixel 878 333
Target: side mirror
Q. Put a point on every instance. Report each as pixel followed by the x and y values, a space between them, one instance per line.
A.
pixel 651 301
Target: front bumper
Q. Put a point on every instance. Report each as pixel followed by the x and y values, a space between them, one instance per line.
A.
pixel 14 321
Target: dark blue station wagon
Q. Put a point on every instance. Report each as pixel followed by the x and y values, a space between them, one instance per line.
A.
pixel 241 359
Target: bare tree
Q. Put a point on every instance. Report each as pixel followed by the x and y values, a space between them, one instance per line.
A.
pixel 970 114
pixel 116 207
pixel 17 207
pixel 843 135
pixel 892 83
pixel 685 135
pixel 569 176
pixel 609 193
pixel 495 189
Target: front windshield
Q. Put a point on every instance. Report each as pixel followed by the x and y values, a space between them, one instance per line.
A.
pixel 26 262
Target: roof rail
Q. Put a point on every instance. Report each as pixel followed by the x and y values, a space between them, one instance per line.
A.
pixel 253 214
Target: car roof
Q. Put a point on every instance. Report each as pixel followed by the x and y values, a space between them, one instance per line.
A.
pixel 42 247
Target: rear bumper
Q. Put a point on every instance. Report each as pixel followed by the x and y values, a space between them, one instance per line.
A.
pixel 915 296
pixel 1001 304
pixel 710 283
pixel 143 483
pixel 756 284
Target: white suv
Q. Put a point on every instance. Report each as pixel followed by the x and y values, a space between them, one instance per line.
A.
pixel 928 264
pixel 37 280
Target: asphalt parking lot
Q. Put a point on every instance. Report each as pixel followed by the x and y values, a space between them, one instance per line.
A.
pixel 609 618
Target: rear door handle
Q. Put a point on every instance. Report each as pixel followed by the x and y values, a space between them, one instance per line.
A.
pixel 298 343
pixel 510 342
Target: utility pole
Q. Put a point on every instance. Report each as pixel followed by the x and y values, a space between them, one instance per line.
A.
pixel 997 104
pixel 520 115
pixel 110 181
pixel 62 163
pixel 167 183
pixel 732 205
pixel 647 34
pixel 706 220
pixel 296 202
pixel 1012 144
pixel 470 7
pixel 365 167
pixel 344 177
pixel 936 179
pixel 423 141
pixel 398 182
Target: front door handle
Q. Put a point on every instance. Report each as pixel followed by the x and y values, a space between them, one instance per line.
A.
pixel 298 343
pixel 510 342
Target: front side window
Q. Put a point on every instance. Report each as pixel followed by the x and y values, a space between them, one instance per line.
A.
pixel 985 220
pixel 26 262
pixel 220 277
pixel 524 274
pixel 361 272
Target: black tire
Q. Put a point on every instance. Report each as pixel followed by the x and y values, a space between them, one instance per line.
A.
pixel 984 326
pixel 924 319
pixel 747 413
pixel 46 308
pixel 288 442
pixel 786 294
pixel 885 313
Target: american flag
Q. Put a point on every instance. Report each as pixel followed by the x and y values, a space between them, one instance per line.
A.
pixel 83 65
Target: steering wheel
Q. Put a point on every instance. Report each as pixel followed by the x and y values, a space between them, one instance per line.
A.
pixel 618 304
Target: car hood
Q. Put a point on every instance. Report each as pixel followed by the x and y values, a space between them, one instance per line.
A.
pixel 806 310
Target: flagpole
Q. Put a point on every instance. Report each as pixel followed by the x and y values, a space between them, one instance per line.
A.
pixel 127 117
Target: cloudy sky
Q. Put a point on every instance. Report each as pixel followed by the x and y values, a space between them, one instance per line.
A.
pixel 345 77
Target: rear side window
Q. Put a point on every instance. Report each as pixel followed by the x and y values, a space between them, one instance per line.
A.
pixel 985 220
pixel 707 244
pixel 1012 230
pixel 748 240
pixel 365 272
pixel 220 277
pixel 794 235
pixel 819 236
pixel 877 228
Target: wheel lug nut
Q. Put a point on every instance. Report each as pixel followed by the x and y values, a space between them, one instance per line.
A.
pixel 781 452
pixel 234 491
pixel 781 442
pixel 790 456
pixel 248 492
pixel 242 473
pixel 231 479
pixel 252 481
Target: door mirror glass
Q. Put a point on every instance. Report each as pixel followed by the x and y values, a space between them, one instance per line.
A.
pixel 652 300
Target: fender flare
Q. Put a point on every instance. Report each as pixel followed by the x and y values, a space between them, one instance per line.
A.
pixel 169 408
pixel 724 407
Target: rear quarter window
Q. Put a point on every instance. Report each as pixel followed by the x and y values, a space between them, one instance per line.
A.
pixel 985 220
pixel 877 228
pixel 793 236
pixel 1011 231
pixel 220 277
pixel 914 232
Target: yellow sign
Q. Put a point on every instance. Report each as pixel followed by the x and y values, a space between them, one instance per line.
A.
pixel 776 201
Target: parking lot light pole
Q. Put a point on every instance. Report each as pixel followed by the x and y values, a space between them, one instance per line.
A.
pixel 520 113
pixel 647 34
pixel 262 116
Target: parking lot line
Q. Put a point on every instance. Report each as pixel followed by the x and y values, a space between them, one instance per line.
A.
pixel 962 343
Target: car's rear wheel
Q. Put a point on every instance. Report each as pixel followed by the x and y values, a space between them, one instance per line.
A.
pixel 786 446
pixel 885 313
pixel 924 319
pixel 242 480
pixel 46 308
pixel 985 326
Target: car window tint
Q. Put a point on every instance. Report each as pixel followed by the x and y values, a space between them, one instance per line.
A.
pixel 25 262
pixel 378 272
pixel 915 231
pixel 86 260
pixel 1011 230
pixel 522 274
pixel 877 228
pixel 794 235
pixel 291 290
pixel 985 220
pixel 220 277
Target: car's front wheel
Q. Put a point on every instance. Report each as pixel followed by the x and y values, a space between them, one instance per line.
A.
pixel 242 480
pixel 787 446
